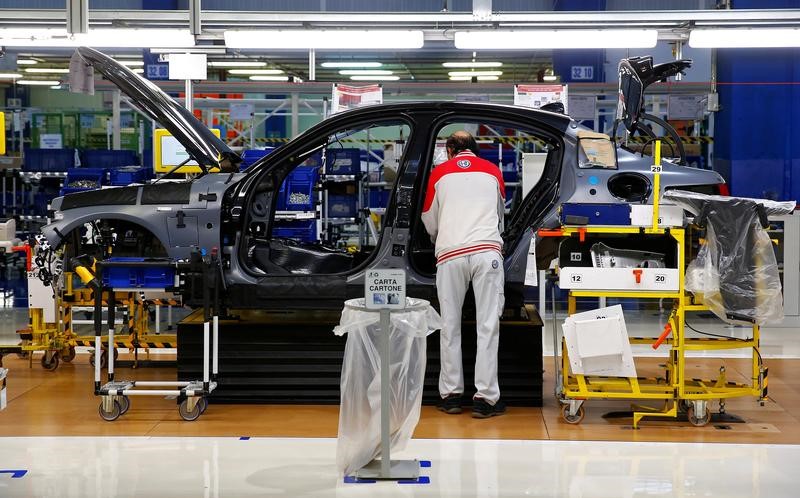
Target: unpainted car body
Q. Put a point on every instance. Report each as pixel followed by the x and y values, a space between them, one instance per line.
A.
pixel 214 210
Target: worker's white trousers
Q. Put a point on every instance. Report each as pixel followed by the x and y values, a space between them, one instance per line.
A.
pixel 485 270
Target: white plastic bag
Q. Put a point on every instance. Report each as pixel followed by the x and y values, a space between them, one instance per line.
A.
pixel 359 438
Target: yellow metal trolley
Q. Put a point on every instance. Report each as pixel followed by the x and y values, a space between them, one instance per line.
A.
pixel 674 389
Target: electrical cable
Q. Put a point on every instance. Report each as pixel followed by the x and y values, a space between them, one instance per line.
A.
pixel 760 359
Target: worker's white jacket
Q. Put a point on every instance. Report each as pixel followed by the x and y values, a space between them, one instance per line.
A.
pixel 464 207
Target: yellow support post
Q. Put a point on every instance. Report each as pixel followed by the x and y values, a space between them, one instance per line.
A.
pixel 656 169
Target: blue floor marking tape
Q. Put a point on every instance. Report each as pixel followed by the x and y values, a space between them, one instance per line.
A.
pixel 356 480
pixel 244 438
pixel 15 474
pixel 424 463
pixel 419 480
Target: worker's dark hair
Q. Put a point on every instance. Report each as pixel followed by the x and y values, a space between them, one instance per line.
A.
pixel 461 141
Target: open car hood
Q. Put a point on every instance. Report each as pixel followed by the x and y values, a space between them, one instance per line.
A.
pixel 196 138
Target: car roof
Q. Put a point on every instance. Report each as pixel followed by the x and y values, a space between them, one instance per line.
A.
pixel 554 119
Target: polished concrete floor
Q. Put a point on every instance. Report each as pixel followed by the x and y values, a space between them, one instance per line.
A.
pixel 52 435
pixel 212 467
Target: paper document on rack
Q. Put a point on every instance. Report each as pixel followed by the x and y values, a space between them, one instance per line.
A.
pixel 597 343
pixel 531 273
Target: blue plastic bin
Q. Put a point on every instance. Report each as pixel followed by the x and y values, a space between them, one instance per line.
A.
pixel 343 161
pixel 102 158
pixel 129 174
pixel 378 197
pixel 341 206
pixel 250 157
pixel 301 230
pixel 300 182
pixel 48 159
pixel 137 277
pixel 97 175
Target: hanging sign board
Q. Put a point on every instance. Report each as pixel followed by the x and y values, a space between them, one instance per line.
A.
pixel 582 107
pixel 347 97
pixel 385 289
pixel 536 96
pixel 187 67
pixel 242 112
pixel 51 141
pixel 686 107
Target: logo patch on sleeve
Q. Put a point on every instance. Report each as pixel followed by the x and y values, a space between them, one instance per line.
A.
pixel 464 164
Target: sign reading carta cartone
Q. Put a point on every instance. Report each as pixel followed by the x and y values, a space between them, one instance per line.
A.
pixel 385 289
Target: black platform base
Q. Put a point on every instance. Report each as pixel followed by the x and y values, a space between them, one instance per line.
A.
pixel 285 358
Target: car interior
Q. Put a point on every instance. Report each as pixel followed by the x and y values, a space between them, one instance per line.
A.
pixel 345 180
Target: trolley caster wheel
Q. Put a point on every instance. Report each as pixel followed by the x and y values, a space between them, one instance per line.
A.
pixel 572 419
pixel 112 415
pixel 124 404
pixel 103 359
pixel 189 416
pixel 696 421
pixel 52 364
pixel 68 354
pixel 203 402
pixel 684 405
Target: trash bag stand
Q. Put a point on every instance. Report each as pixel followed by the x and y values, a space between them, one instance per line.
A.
pixel 385 467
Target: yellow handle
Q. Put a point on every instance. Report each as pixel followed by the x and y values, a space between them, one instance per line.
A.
pixel 84 274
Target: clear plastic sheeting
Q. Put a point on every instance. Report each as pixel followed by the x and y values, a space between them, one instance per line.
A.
pixel 736 271
pixel 360 411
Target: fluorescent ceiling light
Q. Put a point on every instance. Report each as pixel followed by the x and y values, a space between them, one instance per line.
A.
pixel 26 62
pixel 131 63
pixel 365 72
pixel 47 70
pixel 745 38
pixel 327 39
pixel 374 78
pixel 56 87
pixel 549 77
pixel 234 63
pixel 532 39
pixel 254 71
pixel 138 70
pixel 261 77
pixel 470 74
pixel 352 64
pixel 39 82
pixel 102 37
pixel 472 64
pixel 9 76
pixel 479 78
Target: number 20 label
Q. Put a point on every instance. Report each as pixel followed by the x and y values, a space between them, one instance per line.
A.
pixel 661 279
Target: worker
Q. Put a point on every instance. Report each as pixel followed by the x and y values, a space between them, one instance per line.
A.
pixel 463 213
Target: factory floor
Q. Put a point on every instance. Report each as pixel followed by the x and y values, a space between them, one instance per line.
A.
pixel 257 450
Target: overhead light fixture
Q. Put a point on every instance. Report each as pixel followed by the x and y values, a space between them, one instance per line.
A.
pixel 131 63
pixel 365 77
pixel 47 70
pixel 39 82
pixel 472 64
pixel 479 78
pixel 470 74
pixel 745 38
pixel 549 77
pixel 351 64
pixel 26 62
pixel 56 87
pixel 532 39
pixel 374 72
pixel 9 76
pixel 234 63
pixel 262 77
pixel 254 71
pixel 101 37
pixel 138 70
pixel 324 38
